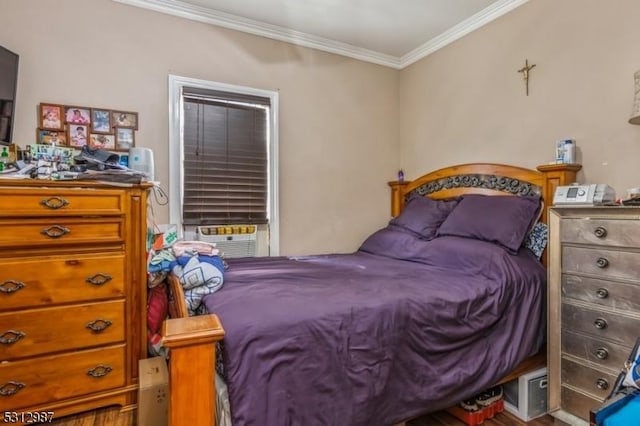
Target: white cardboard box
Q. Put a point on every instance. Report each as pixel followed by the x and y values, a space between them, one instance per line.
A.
pixel 526 396
pixel 153 394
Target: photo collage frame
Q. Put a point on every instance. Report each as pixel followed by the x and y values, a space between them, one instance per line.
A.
pixel 78 126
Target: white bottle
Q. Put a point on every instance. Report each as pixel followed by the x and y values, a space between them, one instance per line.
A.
pixel 559 152
pixel 569 151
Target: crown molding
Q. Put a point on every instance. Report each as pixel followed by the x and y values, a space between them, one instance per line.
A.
pixel 458 31
pixel 234 22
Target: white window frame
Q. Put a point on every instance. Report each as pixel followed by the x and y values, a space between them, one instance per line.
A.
pixel 176 155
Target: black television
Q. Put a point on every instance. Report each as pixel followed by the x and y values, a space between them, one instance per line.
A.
pixel 8 86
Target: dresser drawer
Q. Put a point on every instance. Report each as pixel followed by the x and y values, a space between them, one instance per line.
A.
pixel 35 281
pixel 594 382
pixel 599 352
pixel 56 232
pixel 46 379
pixel 45 330
pixel 601 262
pixel 625 297
pixel 578 403
pixel 61 202
pixel 611 232
pixel 622 329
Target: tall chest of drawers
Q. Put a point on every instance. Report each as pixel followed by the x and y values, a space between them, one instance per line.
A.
pixel 593 304
pixel 72 295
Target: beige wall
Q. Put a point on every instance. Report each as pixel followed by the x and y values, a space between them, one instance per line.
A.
pixel 347 125
pixel 467 103
pixel 338 116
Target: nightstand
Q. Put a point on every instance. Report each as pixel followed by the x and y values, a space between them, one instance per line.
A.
pixel 593 304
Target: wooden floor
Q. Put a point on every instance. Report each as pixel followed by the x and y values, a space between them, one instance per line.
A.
pixel 112 417
pixel 102 417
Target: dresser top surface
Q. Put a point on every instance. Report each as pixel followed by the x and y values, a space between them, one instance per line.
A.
pixel 42 183
pixel 631 212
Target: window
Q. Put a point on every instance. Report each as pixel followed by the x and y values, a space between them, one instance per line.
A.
pixel 223 158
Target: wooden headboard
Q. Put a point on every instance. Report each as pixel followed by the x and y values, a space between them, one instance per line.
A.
pixel 488 179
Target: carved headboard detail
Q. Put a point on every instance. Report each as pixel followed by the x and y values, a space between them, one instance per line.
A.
pixel 495 182
pixel 488 179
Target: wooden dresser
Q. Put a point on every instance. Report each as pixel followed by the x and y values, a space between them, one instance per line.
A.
pixel 72 295
pixel 594 304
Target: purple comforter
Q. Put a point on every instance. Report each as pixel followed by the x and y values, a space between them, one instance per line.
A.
pixel 368 339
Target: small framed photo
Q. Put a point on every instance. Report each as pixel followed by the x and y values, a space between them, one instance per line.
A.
pixel 62 154
pixel 124 138
pixel 4 128
pixel 124 119
pixel 51 117
pixel 48 137
pixel 6 107
pixel 77 115
pixel 101 121
pixel 78 135
pixel 102 141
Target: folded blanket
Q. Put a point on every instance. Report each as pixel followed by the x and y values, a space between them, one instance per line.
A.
pixel 200 270
pixel 181 248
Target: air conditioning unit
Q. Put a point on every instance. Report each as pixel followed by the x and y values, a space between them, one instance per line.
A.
pixel 232 240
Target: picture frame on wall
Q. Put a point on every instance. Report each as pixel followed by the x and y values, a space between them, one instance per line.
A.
pixel 124 119
pixel 51 116
pixel 4 128
pixel 125 138
pixel 78 135
pixel 102 141
pixel 6 107
pixel 48 137
pixel 101 121
pixel 77 115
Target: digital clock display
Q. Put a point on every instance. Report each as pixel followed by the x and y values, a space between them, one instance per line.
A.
pixel 572 192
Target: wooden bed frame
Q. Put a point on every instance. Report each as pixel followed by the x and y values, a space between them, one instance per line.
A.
pixel 191 339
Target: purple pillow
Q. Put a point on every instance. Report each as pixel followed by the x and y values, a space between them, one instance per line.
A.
pixel 500 219
pixel 423 215
pixel 395 242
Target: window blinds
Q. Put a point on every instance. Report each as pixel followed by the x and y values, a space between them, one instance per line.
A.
pixel 225 158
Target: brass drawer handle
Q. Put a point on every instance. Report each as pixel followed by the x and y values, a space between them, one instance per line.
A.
pixel 600 232
pixel 55 231
pixel 602 384
pixel 602 262
pixel 99 279
pixel 602 353
pixel 100 371
pixel 600 324
pixel 54 203
pixel 11 388
pixel 98 325
pixel 11 286
pixel 602 293
pixel 11 336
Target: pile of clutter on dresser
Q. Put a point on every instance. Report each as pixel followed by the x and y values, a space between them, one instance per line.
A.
pixel 55 162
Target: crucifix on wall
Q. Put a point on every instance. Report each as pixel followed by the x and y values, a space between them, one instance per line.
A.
pixel 525 74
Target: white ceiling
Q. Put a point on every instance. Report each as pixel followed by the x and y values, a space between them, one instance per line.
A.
pixel 393 33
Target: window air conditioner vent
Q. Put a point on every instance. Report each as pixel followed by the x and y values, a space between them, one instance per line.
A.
pixel 232 240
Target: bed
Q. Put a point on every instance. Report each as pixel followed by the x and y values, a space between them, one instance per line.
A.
pixel 426 313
